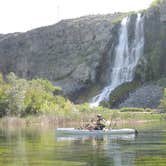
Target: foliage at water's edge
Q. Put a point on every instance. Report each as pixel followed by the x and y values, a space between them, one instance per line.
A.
pixel 40 99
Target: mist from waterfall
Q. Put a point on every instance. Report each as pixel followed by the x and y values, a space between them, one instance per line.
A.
pixel 126 58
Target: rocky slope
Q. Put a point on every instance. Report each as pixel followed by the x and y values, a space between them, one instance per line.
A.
pixel 77 54
pixel 147 96
pixel 67 53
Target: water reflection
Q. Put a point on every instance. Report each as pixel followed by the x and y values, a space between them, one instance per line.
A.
pixel 31 147
pixel 105 148
pixel 127 137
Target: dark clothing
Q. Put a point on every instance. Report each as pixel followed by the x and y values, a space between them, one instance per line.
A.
pixel 100 127
pixel 99 124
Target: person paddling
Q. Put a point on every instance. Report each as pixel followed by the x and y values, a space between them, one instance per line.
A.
pixel 100 123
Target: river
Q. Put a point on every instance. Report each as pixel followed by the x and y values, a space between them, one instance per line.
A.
pixel 38 146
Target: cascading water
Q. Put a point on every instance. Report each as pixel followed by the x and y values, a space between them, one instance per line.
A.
pixel 125 58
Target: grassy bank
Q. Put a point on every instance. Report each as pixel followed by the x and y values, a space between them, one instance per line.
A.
pixel 76 119
pixel 38 102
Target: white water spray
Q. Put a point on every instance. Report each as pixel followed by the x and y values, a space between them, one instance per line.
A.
pixel 125 58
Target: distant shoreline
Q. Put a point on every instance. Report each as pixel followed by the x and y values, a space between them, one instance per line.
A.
pixel 73 120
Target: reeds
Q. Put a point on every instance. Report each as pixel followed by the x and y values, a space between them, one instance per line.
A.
pixel 76 119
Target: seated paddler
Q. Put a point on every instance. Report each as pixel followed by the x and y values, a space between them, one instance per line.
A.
pixel 101 123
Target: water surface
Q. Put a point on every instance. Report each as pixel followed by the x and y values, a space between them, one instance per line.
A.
pixel 31 147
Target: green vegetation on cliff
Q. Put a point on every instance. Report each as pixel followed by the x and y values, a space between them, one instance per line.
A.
pixel 156 3
pixel 163 101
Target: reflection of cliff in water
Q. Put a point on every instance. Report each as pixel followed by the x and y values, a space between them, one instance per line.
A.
pixel 99 150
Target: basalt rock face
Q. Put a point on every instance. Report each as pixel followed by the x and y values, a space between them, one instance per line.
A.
pixel 67 53
pixel 152 64
pixel 78 53
pixel 147 96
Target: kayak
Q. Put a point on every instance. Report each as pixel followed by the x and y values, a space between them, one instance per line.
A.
pixel 73 131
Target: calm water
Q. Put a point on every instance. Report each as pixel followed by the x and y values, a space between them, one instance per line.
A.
pixel 32 147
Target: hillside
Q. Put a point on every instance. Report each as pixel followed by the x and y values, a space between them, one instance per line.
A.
pixel 77 54
pixel 67 53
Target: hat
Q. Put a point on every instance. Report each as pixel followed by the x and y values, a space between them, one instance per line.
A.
pixel 99 115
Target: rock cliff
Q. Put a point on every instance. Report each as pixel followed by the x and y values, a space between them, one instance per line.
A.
pixel 152 64
pixel 67 53
pixel 75 53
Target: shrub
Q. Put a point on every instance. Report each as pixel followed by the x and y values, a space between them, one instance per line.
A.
pixel 16 94
pixel 84 107
pixel 37 101
pixel 37 96
pixel 43 84
pixel 163 101
pixel 130 109
pixel 156 3
pixel 1 79
pixel 162 82
pixel 3 96
pixel 148 110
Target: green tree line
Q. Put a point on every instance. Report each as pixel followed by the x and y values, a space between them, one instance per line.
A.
pixel 22 97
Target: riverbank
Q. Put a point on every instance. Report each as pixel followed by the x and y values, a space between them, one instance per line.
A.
pixel 76 119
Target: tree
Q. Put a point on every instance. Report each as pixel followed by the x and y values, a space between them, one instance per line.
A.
pixel 16 94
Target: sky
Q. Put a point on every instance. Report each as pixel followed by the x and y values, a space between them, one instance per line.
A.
pixel 23 15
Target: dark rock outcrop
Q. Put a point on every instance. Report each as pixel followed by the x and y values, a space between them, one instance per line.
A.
pixel 147 96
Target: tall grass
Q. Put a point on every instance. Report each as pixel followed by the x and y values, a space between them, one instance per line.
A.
pixel 75 119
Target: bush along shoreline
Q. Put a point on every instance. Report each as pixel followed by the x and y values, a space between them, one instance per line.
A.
pixel 20 97
pixel 39 101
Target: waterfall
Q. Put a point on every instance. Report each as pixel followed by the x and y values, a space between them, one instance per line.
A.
pixel 126 58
